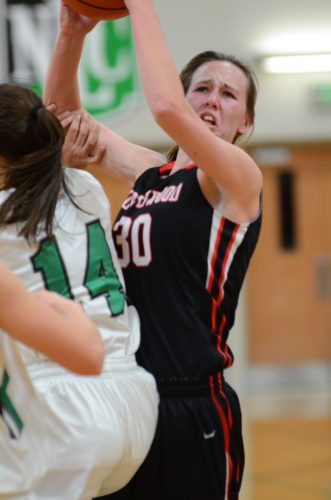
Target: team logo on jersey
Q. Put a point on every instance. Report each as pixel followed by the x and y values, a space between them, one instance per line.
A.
pixel 107 74
pixel 152 197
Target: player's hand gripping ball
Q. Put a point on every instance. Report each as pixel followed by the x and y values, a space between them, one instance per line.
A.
pixel 100 9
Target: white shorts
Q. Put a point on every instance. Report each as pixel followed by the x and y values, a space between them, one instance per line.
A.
pixel 105 428
pixel 24 423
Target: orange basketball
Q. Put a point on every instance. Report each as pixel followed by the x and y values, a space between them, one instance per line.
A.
pixel 99 9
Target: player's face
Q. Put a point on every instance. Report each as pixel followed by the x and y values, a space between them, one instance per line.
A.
pixel 218 94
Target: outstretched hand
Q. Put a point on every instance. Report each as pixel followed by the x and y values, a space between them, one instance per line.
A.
pixel 72 23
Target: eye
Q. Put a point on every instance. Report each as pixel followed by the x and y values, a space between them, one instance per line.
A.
pixel 228 93
pixel 202 88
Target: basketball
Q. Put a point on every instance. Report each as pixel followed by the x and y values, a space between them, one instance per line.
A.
pixel 99 9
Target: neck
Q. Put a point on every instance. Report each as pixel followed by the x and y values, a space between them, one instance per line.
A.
pixel 182 161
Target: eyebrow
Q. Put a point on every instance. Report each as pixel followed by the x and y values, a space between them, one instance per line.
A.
pixel 210 80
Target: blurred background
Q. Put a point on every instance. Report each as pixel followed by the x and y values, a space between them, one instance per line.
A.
pixel 282 337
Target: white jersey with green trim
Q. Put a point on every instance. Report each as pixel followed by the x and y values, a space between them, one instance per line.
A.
pixel 100 427
pixel 80 263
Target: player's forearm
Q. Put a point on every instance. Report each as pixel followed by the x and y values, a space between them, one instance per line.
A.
pixel 78 346
pixel 124 159
pixel 62 86
pixel 51 324
pixel 157 70
pixel 65 335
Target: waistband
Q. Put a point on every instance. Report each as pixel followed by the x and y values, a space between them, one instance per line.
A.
pixel 184 386
pixel 48 369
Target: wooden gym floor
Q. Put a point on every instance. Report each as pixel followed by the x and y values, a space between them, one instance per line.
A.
pixel 288 456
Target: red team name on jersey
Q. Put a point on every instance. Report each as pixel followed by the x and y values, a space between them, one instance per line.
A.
pixel 168 194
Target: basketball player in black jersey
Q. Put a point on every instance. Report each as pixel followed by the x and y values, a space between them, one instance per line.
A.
pixel 184 236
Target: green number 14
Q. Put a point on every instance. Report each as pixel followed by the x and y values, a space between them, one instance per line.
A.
pixel 100 276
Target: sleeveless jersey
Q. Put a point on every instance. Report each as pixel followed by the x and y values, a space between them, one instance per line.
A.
pixel 79 263
pixel 184 265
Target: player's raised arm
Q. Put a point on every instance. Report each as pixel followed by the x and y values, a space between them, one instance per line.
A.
pixel 112 152
pixel 204 119
pixel 62 87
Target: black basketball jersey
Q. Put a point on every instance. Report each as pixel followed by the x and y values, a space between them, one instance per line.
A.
pixel 184 265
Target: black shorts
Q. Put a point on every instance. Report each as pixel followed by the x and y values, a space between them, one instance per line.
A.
pixel 197 452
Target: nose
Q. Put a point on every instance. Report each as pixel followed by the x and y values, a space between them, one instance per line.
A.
pixel 213 99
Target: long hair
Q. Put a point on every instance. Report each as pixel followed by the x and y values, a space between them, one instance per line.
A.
pixel 188 71
pixel 31 140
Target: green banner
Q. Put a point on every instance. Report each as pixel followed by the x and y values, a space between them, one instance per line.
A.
pixel 107 74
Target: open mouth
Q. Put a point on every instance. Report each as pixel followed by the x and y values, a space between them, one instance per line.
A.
pixel 208 118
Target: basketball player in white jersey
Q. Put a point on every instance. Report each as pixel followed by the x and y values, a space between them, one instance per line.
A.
pixel 55 233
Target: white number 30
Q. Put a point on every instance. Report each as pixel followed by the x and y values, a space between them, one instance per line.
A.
pixel 133 240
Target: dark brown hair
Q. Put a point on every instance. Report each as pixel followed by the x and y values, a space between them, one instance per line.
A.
pixel 188 71
pixel 31 140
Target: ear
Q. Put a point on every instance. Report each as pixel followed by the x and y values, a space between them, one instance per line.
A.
pixel 246 124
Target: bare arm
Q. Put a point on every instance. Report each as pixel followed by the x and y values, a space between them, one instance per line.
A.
pixel 51 324
pixel 118 156
pixel 121 158
pixel 233 171
pixel 65 61
pixel 124 159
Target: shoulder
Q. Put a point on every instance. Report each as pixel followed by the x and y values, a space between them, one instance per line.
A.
pixel 86 190
pixel 80 176
pixel 79 181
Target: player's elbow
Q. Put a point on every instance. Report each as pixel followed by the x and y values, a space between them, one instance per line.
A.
pixel 165 112
pixel 93 358
pixel 97 359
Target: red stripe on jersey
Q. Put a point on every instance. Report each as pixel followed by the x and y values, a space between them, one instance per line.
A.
pixel 216 303
pixel 225 262
pixel 213 314
pixel 220 333
pixel 226 434
pixel 214 257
